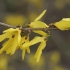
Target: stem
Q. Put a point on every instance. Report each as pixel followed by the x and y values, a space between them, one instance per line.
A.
pixel 38 28
pixel 7 25
pixel 27 28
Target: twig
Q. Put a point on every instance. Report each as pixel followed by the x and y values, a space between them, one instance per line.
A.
pixel 27 28
pixel 38 28
pixel 7 25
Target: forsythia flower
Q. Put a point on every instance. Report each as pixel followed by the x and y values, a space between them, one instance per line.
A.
pixel 13 43
pixel 34 41
pixel 26 45
pixel 39 24
pixel 15 39
pixel 24 39
pixel 64 24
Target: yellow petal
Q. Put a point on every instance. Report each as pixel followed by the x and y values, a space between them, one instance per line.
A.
pixel 10 30
pixel 64 24
pixel 26 40
pixel 4 36
pixel 14 44
pixel 8 51
pixel 39 55
pixel 19 37
pixel 22 40
pixel 40 32
pixel 28 50
pixel 9 48
pixel 33 41
pixel 38 24
pixel 39 50
pixel 24 50
pixel 40 16
pixel 23 54
pixel 6 45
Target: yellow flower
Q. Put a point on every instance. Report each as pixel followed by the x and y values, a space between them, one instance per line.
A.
pixel 24 39
pixel 13 42
pixel 64 24
pixel 16 40
pixel 39 24
pixel 36 40
pixel 39 50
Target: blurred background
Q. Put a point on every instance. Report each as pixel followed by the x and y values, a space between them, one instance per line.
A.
pixel 56 55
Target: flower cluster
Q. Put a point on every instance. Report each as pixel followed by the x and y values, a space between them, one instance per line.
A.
pixel 16 39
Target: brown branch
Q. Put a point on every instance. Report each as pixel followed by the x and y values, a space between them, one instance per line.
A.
pixel 27 28
pixel 38 28
pixel 7 25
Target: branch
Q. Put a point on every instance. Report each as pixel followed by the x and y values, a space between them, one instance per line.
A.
pixel 7 25
pixel 27 28
pixel 38 28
